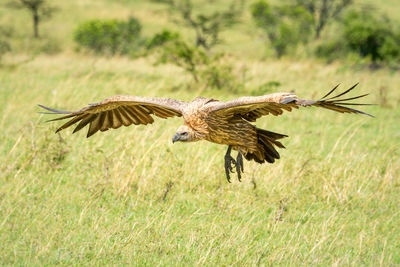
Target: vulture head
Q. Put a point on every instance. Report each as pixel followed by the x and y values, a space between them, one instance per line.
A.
pixel 184 134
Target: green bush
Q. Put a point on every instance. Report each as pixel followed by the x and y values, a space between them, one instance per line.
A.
pixel 109 36
pixel 183 55
pixel 207 71
pixel 332 49
pixel 162 38
pixel 285 26
pixel 371 36
pixel 219 74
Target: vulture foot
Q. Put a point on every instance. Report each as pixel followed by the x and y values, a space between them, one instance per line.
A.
pixel 239 165
pixel 230 162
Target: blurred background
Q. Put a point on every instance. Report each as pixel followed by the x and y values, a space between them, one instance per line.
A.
pixel 130 197
pixel 352 31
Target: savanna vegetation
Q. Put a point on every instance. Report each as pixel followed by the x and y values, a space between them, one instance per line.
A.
pixel 130 197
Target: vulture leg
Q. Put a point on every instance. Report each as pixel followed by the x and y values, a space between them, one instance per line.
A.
pixel 228 163
pixel 239 165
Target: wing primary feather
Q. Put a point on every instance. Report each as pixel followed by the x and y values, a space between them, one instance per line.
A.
pixel 331 107
pixel 345 92
pixel 94 126
pixel 354 104
pixel 110 117
pixel 55 110
pixel 63 117
pixel 356 111
pixel 105 123
pixel 331 91
pixel 102 119
pixel 85 120
pixel 69 123
pixel 116 121
pixel 342 109
pixel 346 99
pixel 51 113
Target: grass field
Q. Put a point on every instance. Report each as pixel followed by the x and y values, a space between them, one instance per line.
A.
pixel 131 197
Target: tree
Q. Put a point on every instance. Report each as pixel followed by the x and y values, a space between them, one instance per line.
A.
pixel 207 26
pixel 39 10
pixel 323 11
pixel 184 56
pixel 160 39
pixel 285 26
pixel 207 71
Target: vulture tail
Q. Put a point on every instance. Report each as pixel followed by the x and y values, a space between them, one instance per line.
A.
pixel 267 141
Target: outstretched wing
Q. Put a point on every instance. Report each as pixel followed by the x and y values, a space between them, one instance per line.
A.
pixel 252 108
pixel 119 110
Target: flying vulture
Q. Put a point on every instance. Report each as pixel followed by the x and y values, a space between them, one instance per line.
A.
pixel 226 123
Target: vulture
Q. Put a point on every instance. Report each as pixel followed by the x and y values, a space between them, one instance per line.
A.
pixel 226 123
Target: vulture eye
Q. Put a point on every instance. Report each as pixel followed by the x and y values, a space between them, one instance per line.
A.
pixel 184 133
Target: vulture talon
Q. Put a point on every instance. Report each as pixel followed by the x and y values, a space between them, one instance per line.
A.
pixel 231 165
pixel 239 165
pixel 229 161
pixel 228 177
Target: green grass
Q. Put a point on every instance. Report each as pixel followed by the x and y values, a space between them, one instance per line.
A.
pixel 130 197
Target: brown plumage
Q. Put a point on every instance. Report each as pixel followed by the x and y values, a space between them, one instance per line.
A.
pixel 226 123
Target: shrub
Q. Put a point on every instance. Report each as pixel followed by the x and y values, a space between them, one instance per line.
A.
pixel 162 38
pixel 332 49
pixel 207 71
pixel 109 36
pixel 371 36
pixel 219 74
pixel 185 56
pixel 285 26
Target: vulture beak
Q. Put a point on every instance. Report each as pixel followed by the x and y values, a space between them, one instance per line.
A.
pixel 175 138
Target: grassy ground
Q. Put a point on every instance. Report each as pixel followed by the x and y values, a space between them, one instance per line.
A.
pixel 130 197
